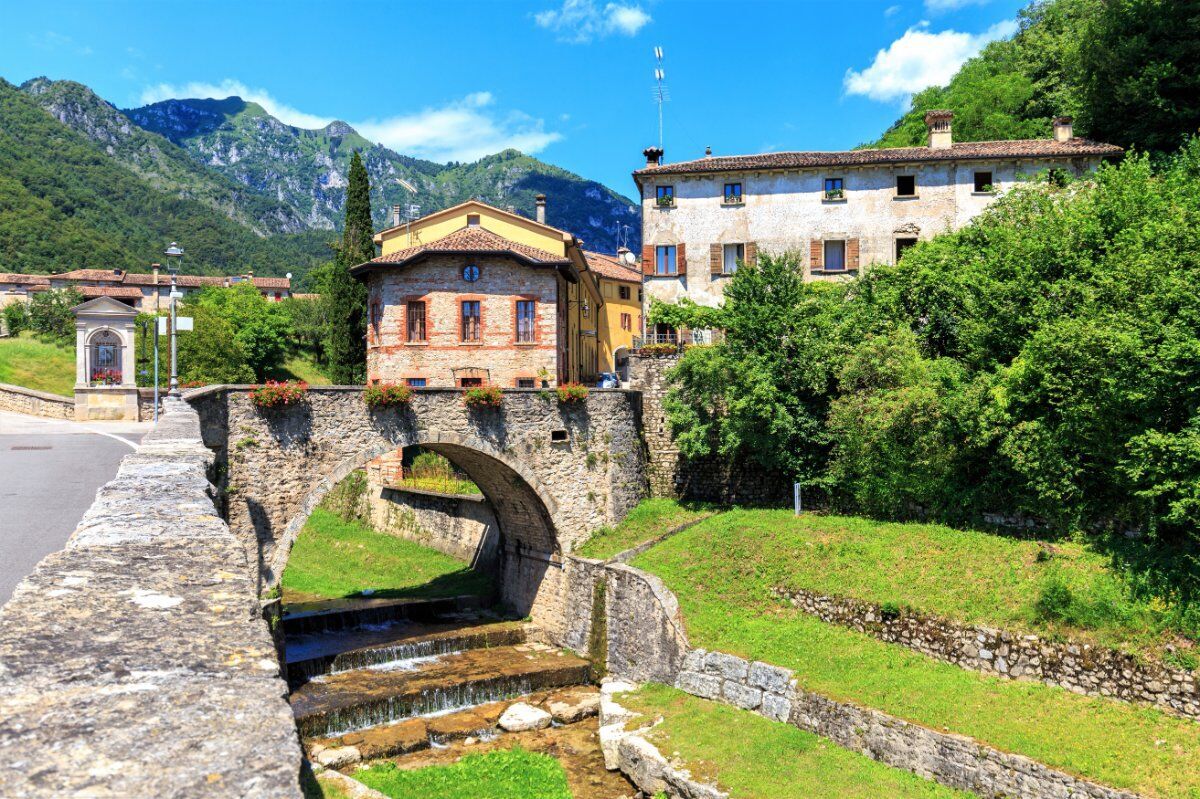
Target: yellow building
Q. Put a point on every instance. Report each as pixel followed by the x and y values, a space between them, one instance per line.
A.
pixel 621 290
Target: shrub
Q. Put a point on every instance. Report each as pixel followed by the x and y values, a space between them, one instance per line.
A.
pixel 387 395
pixel 571 392
pixel 50 313
pixel 274 394
pixel 658 349
pixel 16 317
pixel 483 397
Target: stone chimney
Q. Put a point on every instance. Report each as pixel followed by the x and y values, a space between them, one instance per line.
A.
pixel 395 216
pixel 1064 129
pixel 938 125
pixel 708 152
pixel 653 156
pixel 154 271
pixel 540 202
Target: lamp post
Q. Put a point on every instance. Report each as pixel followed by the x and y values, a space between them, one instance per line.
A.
pixel 174 255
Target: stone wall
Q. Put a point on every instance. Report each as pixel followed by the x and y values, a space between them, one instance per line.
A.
pixel 35 403
pixel 713 479
pixel 1078 667
pixel 136 662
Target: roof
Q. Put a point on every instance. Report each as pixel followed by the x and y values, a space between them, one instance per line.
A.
pixel 611 267
pixel 110 275
pixel 959 151
pixel 454 209
pixel 128 292
pixel 119 276
pixel 24 280
pixel 468 241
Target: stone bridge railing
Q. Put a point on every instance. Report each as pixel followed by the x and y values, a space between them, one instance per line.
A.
pixel 136 662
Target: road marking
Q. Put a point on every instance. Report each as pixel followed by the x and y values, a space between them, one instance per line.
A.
pixel 112 435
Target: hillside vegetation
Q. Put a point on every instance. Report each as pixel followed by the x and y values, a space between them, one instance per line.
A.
pixel 41 365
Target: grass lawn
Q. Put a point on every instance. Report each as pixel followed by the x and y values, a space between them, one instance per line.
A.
pixel 300 367
pixel 29 362
pixel 650 519
pixel 336 558
pixel 441 485
pixel 722 571
pixel 770 760
pixel 503 774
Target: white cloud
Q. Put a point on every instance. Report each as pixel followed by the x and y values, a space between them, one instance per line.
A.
pixel 461 130
pixel 580 21
pixel 940 6
pixel 892 11
pixel 227 88
pixel 920 59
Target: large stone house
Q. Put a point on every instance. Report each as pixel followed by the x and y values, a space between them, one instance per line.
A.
pixel 475 295
pixel 839 211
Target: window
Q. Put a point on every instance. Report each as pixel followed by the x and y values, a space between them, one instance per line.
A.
pixel 906 186
pixel 626 321
pixel 278 296
pixel 375 314
pixel 664 196
pixel 416 321
pixel 835 256
pixel 470 382
pixel 733 193
pixel 664 262
pixel 525 321
pixel 526 382
pixel 470 273
pixel 623 292
pixel 983 181
pixel 639 295
pixel 470 320
pixel 732 254
pixel 834 189
pixel 472 220
pixel 414 382
pixel 902 245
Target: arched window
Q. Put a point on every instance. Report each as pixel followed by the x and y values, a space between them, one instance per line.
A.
pixel 105 358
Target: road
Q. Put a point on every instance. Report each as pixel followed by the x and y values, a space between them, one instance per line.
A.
pixel 49 473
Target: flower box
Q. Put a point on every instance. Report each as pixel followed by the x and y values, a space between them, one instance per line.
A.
pixel 386 395
pixel 569 393
pixel 274 394
pixel 483 397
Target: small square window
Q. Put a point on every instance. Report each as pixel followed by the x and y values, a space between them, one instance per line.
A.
pixel 414 382
pixel 623 292
pixel 470 382
pixel 526 382
pixel 901 246
pixel 733 193
pixel 472 220
pixel 983 182
pixel 558 435
pixel 664 196
pixel 835 189
pixel 835 256
pixel 906 186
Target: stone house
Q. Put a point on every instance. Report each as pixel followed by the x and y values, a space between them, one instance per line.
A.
pixel 621 288
pixel 839 211
pixel 475 295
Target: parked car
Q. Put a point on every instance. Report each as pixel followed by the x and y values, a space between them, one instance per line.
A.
pixel 608 380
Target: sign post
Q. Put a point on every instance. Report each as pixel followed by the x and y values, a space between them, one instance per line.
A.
pixel 797 499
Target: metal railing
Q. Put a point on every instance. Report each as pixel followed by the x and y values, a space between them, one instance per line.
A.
pixel 680 338
pixel 427 478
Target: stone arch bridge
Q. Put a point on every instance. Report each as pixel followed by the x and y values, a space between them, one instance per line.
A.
pixel 552 472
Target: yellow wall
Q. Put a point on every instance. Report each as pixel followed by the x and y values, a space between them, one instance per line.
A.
pixel 443 223
pixel 612 337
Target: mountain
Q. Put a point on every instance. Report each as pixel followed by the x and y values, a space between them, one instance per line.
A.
pixel 67 202
pixel 306 170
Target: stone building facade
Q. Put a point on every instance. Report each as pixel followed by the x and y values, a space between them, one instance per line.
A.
pixel 839 211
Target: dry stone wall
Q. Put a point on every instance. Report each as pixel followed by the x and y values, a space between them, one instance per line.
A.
pixel 35 403
pixel 136 662
pixel 1078 667
pixel 462 527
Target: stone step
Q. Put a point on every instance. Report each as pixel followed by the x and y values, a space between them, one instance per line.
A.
pixel 353 700
pixel 355 612
pixel 327 652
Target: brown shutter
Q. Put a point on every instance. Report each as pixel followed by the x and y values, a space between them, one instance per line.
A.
pixel 751 253
pixel 681 259
pixel 647 259
pixel 816 255
pixel 852 253
pixel 714 259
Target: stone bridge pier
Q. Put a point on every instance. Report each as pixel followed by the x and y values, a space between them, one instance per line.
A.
pixel 552 472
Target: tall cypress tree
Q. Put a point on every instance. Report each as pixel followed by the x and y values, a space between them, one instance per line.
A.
pixel 345 298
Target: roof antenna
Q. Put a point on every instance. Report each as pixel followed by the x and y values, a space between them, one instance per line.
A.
pixel 661 93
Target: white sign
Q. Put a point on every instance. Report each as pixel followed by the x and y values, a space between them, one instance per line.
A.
pixel 181 323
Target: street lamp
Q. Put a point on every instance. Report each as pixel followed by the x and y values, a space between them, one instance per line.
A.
pixel 174 255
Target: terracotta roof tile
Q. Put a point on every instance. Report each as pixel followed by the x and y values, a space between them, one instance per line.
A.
pixel 610 267
pixel 469 240
pixel 959 151
pixel 119 292
pixel 24 280
pixel 109 275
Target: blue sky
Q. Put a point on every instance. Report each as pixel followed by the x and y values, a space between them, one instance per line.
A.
pixel 568 80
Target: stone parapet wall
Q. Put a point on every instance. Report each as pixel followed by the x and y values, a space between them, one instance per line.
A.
pixel 1078 667
pixel 35 403
pixel 136 662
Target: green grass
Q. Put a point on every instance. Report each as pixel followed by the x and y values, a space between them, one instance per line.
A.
pixel 770 760
pixel 300 366
pixel 722 571
pixel 650 519
pixel 440 485
pixel 42 366
pixel 502 774
pixel 336 558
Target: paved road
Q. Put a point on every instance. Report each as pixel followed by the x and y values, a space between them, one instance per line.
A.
pixel 49 473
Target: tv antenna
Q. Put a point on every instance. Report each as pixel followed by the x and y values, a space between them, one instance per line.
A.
pixel 412 212
pixel 661 93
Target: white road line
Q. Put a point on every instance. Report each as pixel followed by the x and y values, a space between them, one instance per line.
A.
pixel 112 435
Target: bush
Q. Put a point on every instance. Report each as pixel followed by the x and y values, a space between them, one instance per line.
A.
pixel 50 313
pixel 274 394
pixel 483 397
pixel 571 392
pixel 386 395
pixel 16 318
pixel 658 349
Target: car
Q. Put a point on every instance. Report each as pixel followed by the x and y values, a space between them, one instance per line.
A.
pixel 608 380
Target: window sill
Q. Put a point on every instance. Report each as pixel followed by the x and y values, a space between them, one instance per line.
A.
pixel 992 193
pixel 416 343
pixel 903 197
pixel 730 204
pixel 470 343
pixel 664 207
pixel 525 343
pixel 721 274
pixel 664 277
pixel 832 200
pixel 833 271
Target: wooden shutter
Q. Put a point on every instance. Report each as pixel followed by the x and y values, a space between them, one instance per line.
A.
pixel 852 253
pixel 681 260
pixel 714 259
pixel 751 253
pixel 647 259
pixel 816 254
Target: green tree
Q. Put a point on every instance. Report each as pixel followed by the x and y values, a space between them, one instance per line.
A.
pixel 50 313
pixel 209 353
pixel 261 328
pixel 344 297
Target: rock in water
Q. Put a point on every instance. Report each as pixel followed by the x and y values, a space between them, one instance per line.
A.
pixel 521 717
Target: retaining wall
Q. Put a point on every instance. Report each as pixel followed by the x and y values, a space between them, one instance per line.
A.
pixel 35 403
pixel 136 662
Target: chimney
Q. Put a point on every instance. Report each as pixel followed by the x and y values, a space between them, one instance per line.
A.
pixel 708 152
pixel 653 156
pixel 395 216
pixel 1063 129
pixel 540 201
pixel 154 270
pixel 938 124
